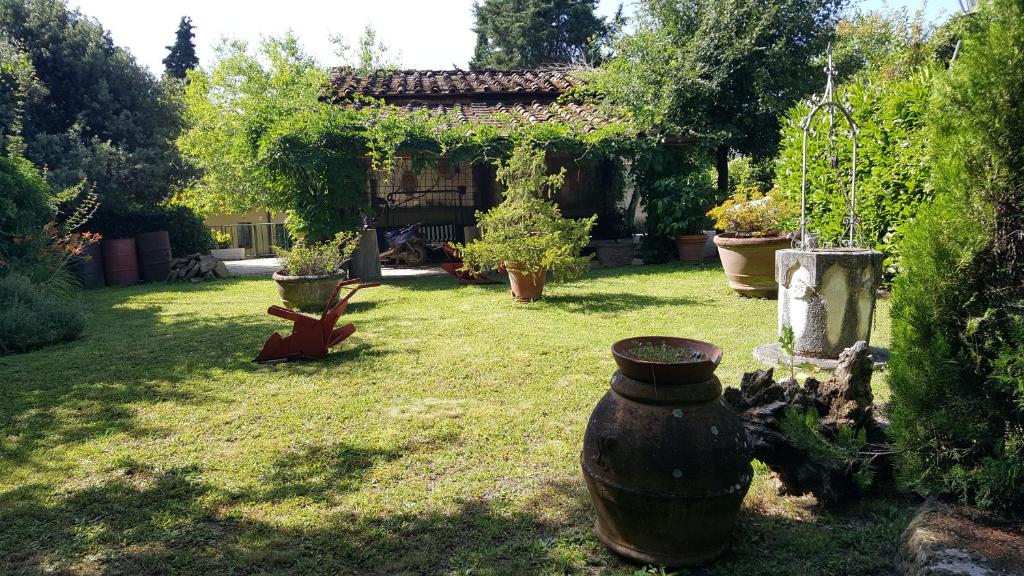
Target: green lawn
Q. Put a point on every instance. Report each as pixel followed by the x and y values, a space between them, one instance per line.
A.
pixel 443 438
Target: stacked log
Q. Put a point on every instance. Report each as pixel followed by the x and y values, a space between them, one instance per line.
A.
pixel 197 268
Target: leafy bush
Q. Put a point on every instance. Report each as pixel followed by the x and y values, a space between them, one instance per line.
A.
pixel 892 162
pixel 525 229
pixel 187 231
pixel 958 305
pixel 751 213
pixel 25 201
pixel 319 258
pixel 30 319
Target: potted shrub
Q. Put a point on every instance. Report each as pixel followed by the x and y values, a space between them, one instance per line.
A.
pixel 311 270
pixel 526 234
pixel 753 225
pixel 224 249
pixel 683 215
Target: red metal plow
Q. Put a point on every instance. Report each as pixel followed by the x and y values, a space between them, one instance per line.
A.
pixel 465 276
pixel 311 337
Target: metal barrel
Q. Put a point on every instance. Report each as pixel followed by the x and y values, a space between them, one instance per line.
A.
pixel 119 264
pixel 89 268
pixel 154 251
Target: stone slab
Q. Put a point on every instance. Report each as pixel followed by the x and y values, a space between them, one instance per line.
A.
pixel 773 355
pixel 945 540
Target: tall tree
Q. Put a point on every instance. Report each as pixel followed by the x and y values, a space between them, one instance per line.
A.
pixel 723 70
pixel 182 55
pixel 84 109
pixel 530 33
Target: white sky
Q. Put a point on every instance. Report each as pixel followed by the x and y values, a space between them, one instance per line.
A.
pixel 426 34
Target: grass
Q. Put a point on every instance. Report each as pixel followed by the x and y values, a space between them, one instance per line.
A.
pixel 442 438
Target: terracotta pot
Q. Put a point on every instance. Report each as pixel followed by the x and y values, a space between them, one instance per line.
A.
pixel 306 293
pixel 666 462
pixel 749 263
pixel 691 247
pixel 526 286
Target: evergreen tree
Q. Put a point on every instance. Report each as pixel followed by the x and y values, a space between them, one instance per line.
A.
pixel 529 33
pixel 957 369
pixel 182 55
pixel 722 70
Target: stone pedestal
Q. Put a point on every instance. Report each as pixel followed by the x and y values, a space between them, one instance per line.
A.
pixel 365 263
pixel 828 297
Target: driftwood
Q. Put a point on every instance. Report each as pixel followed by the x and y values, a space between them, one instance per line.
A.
pixel 828 469
pixel 196 268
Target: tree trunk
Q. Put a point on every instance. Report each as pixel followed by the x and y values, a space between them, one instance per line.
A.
pixel 824 467
pixel 722 166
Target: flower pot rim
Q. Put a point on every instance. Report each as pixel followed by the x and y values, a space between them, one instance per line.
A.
pixel 731 239
pixel 682 372
pixel 692 237
pixel 280 276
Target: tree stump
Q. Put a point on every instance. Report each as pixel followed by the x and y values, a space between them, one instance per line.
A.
pixel 844 444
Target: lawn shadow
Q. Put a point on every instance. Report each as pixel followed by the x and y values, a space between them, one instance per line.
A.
pixel 128 356
pixel 141 520
pixel 146 521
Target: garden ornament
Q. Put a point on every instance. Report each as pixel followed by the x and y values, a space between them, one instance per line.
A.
pixel 311 337
pixel 827 289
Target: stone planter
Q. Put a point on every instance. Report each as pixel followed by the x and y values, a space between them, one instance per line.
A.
pixel 827 297
pixel 306 293
pixel 365 263
pixel 749 263
pixel 228 253
pixel 614 252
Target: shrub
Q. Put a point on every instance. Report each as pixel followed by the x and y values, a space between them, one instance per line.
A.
pixel 892 162
pixel 958 305
pixel 751 213
pixel 319 258
pixel 187 231
pixel 24 201
pixel 525 229
pixel 30 319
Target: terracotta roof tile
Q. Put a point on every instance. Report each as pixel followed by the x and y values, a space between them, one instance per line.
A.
pixel 345 83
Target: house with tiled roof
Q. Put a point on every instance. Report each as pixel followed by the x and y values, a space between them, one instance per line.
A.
pixel 444 197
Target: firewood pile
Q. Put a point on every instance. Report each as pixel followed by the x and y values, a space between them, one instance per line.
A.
pixel 196 268
pixel 842 401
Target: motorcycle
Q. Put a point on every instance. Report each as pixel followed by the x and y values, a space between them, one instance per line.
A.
pixel 405 246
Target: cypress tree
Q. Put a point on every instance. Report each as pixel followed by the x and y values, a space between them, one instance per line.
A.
pixel 182 55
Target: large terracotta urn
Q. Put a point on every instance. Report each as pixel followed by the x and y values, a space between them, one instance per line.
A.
pixel 749 263
pixel 666 462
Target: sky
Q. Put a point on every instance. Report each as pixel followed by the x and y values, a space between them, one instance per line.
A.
pixel 423 34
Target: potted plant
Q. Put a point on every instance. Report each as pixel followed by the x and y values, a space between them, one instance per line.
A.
pixel 682 215
pixel 526 234
pixel 753 225
pixel 311 270
pixel 224 249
